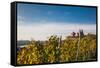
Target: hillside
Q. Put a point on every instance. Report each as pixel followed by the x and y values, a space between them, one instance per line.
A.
pixel 54 50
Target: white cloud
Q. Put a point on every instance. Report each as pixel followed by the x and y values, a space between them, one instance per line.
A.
pixel 42 31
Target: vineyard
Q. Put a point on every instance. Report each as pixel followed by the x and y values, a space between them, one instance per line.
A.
pixel 56 50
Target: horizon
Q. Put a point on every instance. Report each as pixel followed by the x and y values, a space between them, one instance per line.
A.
pixel 63 38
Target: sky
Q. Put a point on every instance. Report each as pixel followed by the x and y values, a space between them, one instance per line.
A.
pixel 39 22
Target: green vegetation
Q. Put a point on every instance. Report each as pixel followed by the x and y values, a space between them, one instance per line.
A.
pixel 53 51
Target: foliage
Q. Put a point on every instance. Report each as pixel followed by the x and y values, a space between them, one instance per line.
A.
pixel 51 51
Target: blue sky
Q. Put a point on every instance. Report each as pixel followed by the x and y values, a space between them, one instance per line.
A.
pixel 32 16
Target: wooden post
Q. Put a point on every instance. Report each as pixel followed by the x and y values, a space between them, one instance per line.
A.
pixel 78 47
pixel 59 44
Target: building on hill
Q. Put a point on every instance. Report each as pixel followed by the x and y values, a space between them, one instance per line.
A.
pixel 77 34
pixel 81 33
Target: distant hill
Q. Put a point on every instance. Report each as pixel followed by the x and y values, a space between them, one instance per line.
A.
pixel 22 42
